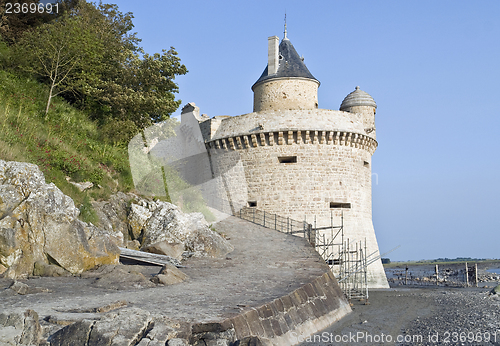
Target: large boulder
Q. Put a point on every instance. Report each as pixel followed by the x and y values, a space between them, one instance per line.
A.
pixel 112 216
pixel 163 228
pixel 38 223
pixel 18 329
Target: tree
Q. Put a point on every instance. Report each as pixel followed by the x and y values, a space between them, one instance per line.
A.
pixel 13 25
pixel 63 53
pixel 89 56
pixel 134 86
pixel 143 91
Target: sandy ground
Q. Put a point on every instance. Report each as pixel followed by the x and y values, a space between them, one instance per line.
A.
pixel 419 315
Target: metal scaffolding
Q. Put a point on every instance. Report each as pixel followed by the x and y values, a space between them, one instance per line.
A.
pixel 347 258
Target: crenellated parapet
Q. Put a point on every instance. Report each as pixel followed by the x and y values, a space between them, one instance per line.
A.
pixel 294 137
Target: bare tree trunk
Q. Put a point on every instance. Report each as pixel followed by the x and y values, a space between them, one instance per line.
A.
pixel 50 98
pixel 53 79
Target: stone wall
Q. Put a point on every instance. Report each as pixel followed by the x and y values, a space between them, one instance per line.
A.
pixel 306 165
pixel 286 93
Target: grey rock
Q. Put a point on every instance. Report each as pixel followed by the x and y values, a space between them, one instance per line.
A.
pixel 169 224
pixel 222 338
pixel 83 185
pixel 174 250
pixel 113 217
pixel 19 287
pixel 169 275
pixel 205 242
pixel 249 341
pixel 43 269
pixel 39 223
pixel 118 277
pixel 18 329
pixel 137 218
pixel 74 334
pixel 127 327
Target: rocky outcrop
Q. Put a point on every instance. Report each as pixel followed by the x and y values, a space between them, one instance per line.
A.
pixel 38 223
pixel 169 275
pixel 159 227
pixel 18 329
pixel 163 228
pixel 113 216
pixel 118 277
pixel 129 326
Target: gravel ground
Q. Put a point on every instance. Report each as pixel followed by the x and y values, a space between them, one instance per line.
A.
pixel 418 316
pixel 462 317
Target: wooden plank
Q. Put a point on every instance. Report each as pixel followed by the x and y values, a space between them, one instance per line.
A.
pixel 150 258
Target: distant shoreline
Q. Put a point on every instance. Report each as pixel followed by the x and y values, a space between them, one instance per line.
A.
pixel 483 262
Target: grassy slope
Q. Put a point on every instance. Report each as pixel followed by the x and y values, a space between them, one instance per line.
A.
pixel 63 144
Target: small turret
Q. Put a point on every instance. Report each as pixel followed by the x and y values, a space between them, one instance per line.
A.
pixel 363 104
pixel 286 83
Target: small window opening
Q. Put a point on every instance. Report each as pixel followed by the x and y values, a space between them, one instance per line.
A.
pixel 334 205
pixel 366 164
pixel 287 159
pixel 252 204
pixel 334 262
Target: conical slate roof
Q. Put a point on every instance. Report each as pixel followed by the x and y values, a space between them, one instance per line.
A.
pixel 357 98
pixel 290 64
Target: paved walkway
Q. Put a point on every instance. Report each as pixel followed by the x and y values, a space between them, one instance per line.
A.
pixel 265 265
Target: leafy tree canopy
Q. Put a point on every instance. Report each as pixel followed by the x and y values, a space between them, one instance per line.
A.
pixel 89 56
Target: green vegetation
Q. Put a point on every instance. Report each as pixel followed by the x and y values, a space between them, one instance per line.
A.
pixel 75 88
pixel 88 55
pixel 63 144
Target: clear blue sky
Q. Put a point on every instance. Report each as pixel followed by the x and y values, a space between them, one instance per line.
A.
pixel 433 67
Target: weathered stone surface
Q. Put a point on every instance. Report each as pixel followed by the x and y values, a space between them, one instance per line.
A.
pixel 113 217
pixel 83 185
pixel 205 242
pixel 218 338
pixel 177 342
pixel 18 329
pixel 19 287
pixel 75 334
pixel 169 275
pixel 174 250
pixel 137 218
pixel 44 269
pixel 249 341
pixel 127 327
pixel 170 225
pixel 118 277
pixel 39 223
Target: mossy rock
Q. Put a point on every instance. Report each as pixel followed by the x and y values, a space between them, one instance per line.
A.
pixel 495 290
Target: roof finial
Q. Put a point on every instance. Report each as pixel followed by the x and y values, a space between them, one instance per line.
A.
pixel 285 38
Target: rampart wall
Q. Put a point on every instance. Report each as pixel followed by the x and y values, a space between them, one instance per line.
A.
pixel 308 165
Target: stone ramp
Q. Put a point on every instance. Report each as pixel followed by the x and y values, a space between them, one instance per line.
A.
pixel 273 285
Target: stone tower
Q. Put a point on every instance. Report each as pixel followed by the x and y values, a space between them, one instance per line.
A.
pixel 291 158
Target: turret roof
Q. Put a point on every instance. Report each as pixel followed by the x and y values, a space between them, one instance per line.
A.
pixel 358 98
pixel 290 64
